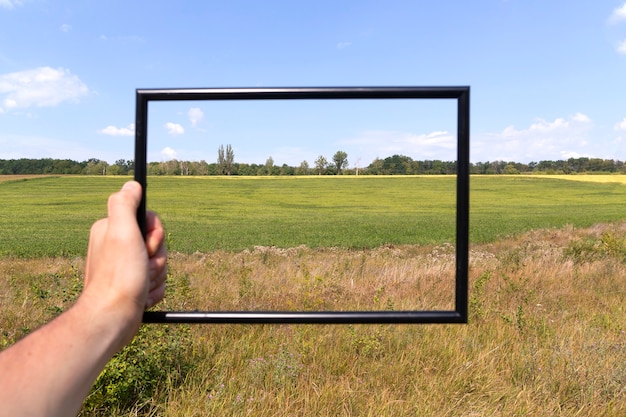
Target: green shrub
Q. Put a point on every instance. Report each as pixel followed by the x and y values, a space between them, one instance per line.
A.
pixel 157 356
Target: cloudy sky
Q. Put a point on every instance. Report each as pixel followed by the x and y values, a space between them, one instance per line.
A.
pixel 547 78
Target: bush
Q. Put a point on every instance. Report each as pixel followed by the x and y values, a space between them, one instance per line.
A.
pixel 156 356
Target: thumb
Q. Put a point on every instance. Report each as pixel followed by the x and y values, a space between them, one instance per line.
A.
pixel 122 206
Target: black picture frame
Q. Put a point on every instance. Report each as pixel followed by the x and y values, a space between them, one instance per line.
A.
pixel 461 94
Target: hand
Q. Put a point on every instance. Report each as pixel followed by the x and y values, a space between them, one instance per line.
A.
pixel 124 275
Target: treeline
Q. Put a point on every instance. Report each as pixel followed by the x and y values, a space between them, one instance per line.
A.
pixel 570 166
pixel 404 165
pixel 26 166
pixel 393 165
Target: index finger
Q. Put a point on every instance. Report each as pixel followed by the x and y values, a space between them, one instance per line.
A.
pixel 154 233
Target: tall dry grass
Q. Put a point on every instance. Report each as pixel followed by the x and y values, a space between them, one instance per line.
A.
pixel 546 335
pixel 268 278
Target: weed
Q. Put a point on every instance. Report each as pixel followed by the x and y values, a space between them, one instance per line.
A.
pixel 278 370
pixel 614 246
pixel 39 292
pixel 379 292
pixel 593 249
pixel 286 366
pixel 520 318
pixel 367 342
pixel 477 295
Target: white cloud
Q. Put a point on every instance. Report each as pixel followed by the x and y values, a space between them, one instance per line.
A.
pixel 582 118
pixel 168 153
pixel 40 87
pixel 374 143
pixel 439 139
pixel 572 154
pixel 174 128
pixel 195 116
pixel 118 131
pixel 10 4
pixel 542 140
pixel 621 125
pixel 343 45
pixel 618 14
pixel 543 127
pixel 65 28
pixel 621 47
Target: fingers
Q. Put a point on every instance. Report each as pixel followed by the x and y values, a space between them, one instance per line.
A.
pixel 154 233
pixel 157 268
pixel 155 296
pixel 158 275
pixel 157 264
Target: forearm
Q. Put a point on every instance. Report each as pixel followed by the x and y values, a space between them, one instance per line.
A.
pixel 50 372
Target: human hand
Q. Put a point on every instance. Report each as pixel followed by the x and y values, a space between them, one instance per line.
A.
pixel 124 275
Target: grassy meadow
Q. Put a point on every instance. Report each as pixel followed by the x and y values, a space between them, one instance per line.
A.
pixel 51 216
pixel 547 330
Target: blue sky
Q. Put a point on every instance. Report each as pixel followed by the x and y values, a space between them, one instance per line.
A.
pixel 547 78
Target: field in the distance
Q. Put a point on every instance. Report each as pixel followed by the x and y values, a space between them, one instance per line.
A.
pixel 52 215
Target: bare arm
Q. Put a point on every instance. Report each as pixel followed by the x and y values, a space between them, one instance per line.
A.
pixel 50 372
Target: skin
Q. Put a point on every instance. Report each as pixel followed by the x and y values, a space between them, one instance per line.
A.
pixel 50 371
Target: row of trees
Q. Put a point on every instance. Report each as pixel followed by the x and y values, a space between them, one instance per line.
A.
pixel 226 165
pixel 392 165
pixel 569 166
pixel 338 165
pixel 91 166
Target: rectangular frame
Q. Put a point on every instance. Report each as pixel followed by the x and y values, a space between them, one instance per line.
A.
pixel 461 94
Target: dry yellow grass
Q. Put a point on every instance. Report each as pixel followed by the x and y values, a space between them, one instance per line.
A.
pixel 268 278
pixel 601 178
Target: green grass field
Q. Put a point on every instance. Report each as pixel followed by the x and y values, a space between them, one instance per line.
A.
pixel 52 215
